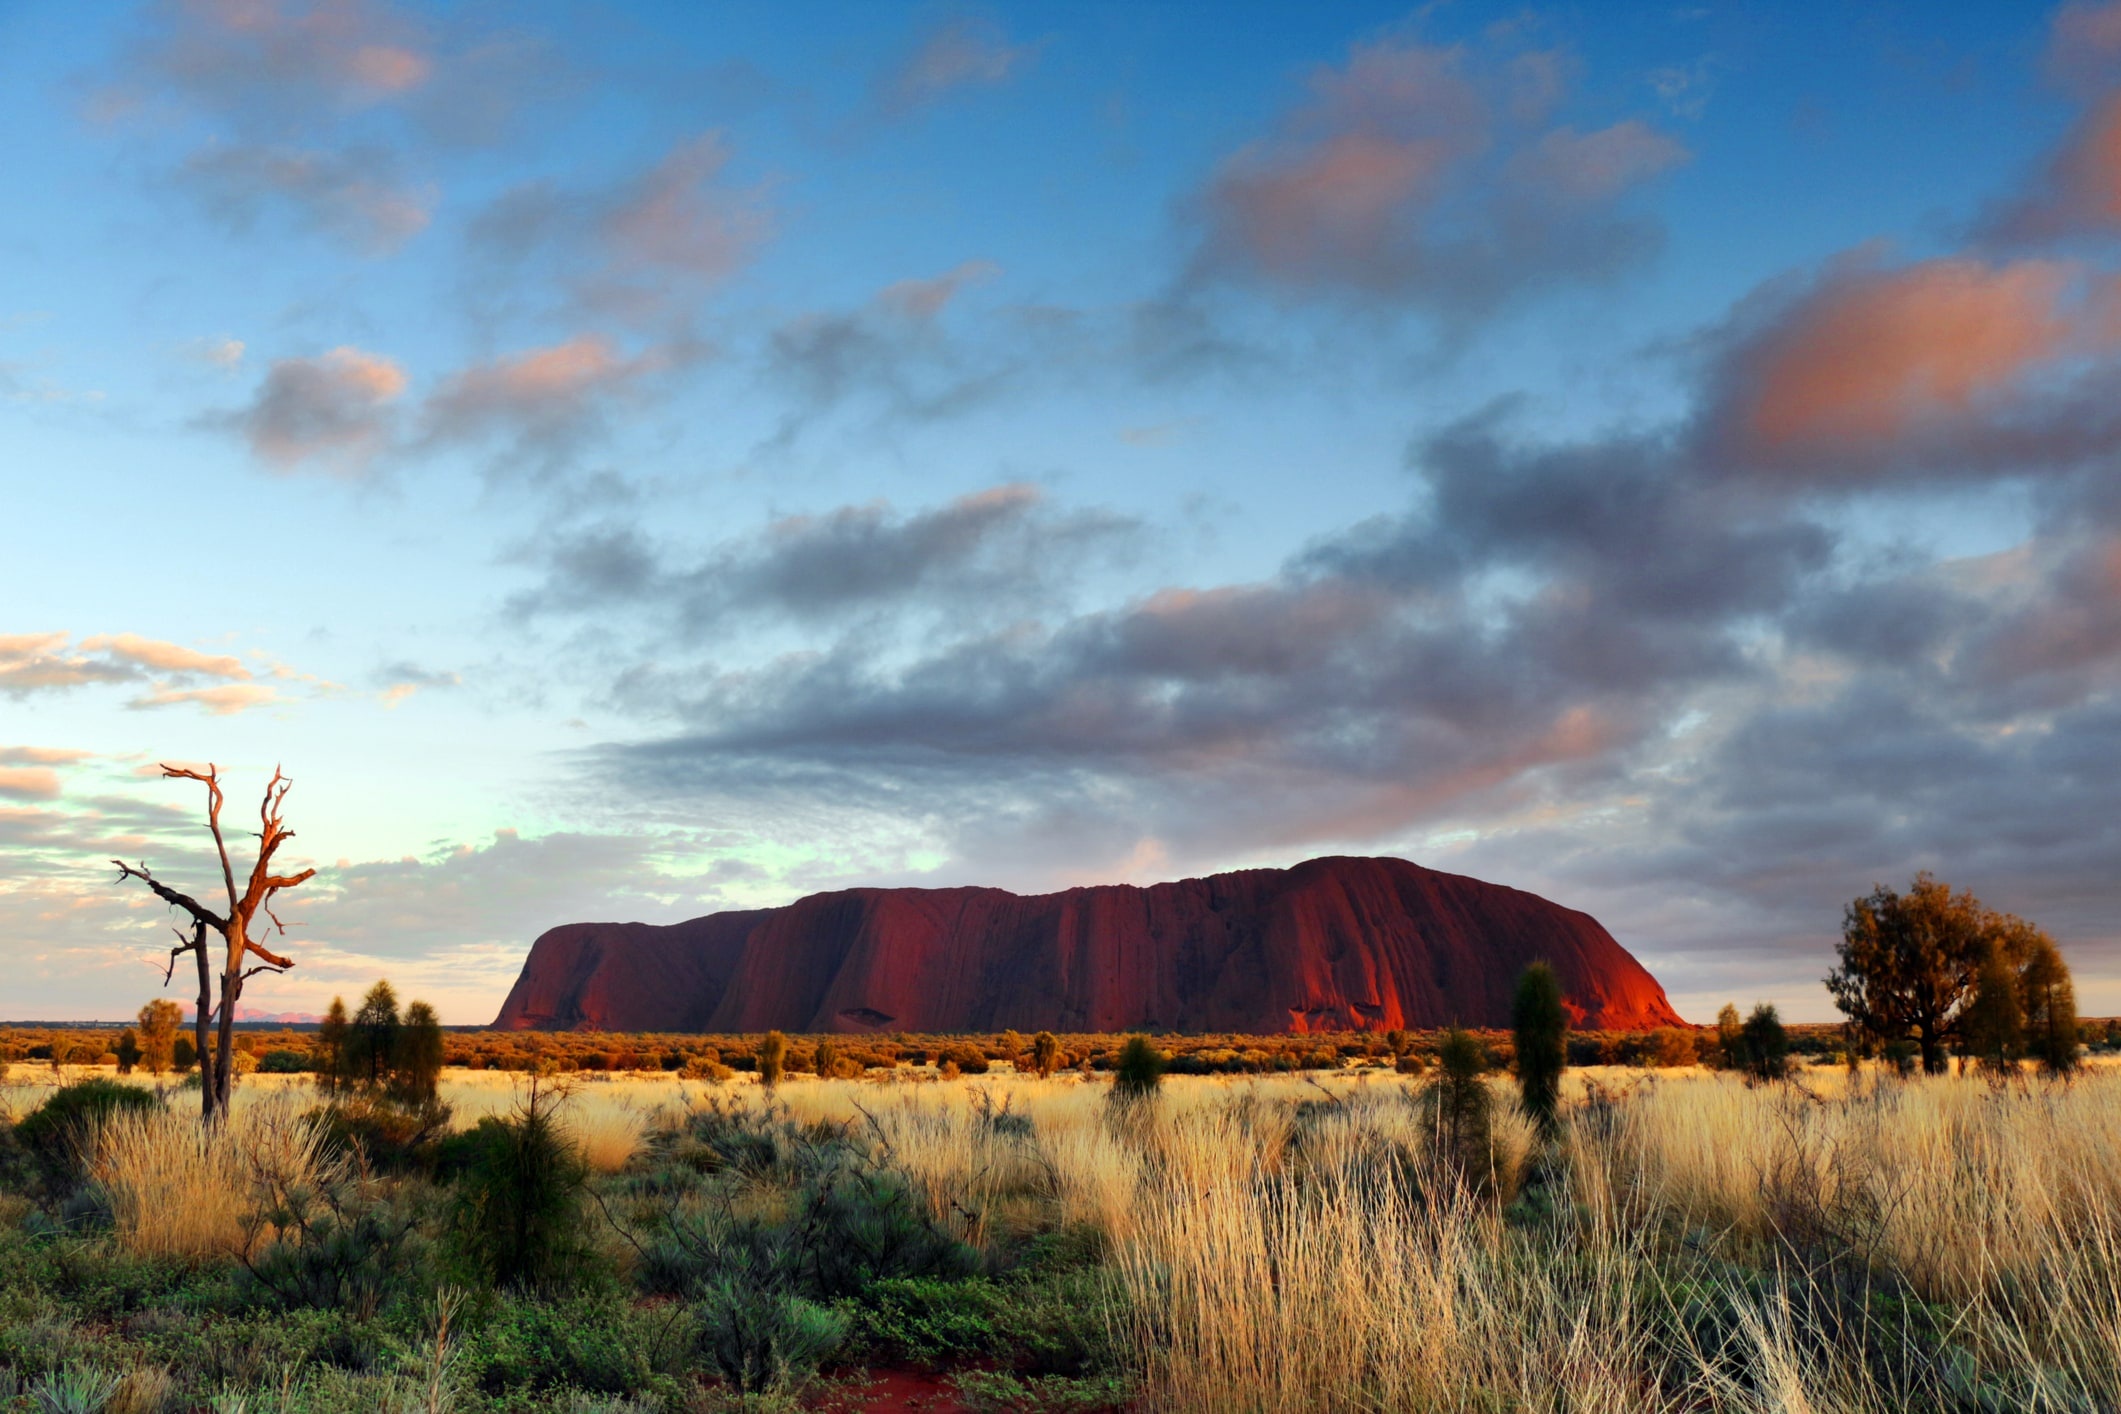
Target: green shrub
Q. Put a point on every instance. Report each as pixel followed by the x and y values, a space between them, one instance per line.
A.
pixel 764 1341
pixel 1764 1047
pixel 340 1249
pixel 1138 1070
pixel 1459 1104
pixel 284 1062
pixel 1542 1035
pixel 55 1131
pixel 519 1200
pixel 598 1343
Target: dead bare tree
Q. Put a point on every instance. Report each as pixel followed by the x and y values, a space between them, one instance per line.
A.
pixel 216 1062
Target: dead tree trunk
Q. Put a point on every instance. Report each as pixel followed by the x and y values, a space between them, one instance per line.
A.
pixel 217 1061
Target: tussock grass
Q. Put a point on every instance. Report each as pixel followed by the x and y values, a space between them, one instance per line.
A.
pixel 177 1190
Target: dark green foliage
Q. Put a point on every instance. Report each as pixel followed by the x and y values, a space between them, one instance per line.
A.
pixel 1763 1046
pixel 389 1136
pixel 55 1131
pixel 1993 1028
pixel 1138 1070
pixel 1541 1028
pixel 772 1058
pixel 283 1062
pixel 2050 1006
pixel 331 1064
pixel 1459 1104
pixel 519 1214
pixel 416 1063
pixel 764 1340
pixel 128 1051
pixel 372 1040
pixel 340 1249
pixel 1051 1323
pixel 598 1343
pixel 183 1054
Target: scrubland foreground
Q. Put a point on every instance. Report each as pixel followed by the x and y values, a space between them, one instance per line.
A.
pixel 1680 1241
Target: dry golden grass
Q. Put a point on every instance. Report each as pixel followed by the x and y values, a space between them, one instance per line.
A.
pixel 180 1191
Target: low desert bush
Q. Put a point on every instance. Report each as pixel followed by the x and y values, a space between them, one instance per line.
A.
pixel 59 1134
pixel 519 1218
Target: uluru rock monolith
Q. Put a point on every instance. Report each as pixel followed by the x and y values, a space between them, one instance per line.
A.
pixel 1334 944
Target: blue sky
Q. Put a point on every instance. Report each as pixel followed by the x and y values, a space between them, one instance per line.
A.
pixel 630 461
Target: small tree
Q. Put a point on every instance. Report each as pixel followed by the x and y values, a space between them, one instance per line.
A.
pixel 372 1038
pixel 1730 1035
pixel 1461 1103
pixel 824 1059
pixel 1993 1028
pixel 158 1035
pixel 1764 1045
pixel 128 1051
pixel 184 1055
pixel 772 1058
pixel 1139 1069
pixel 1542 1033
pixel 416 1061
pixel 1908 963
pixel 332 1036
pixel 237 928
pixel 2050 1007
pixel 1045 1054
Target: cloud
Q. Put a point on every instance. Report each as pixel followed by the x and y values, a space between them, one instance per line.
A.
pixel 399 681
pixel 1425 175
pixel 2077 193
pixel 29 782
pixel 221 353
pixel 961 53
pixel 893 353
pixel 224 700
pixel 994 551
pixel 2084 45
pixel 271 62
pixel 41 756
pixel 643 251
pixel 354 195
pixel 544 402
pixel 51 662
pixel 1952 362
pixel 334 412
pixel 164 657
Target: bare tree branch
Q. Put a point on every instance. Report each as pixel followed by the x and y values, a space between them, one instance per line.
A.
pixel 170 896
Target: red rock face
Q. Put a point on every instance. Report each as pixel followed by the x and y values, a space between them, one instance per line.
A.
pixel 1333 944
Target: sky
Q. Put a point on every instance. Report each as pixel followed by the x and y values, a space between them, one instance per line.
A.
pixel 629 461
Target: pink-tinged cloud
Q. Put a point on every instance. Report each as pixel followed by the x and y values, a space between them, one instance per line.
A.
pixel 1871 356
pixel 225 700
pixel 925 299
pixel 41 756
pixel 239 54
pixel 962 53
pixel 41 662
pixel 681 217
pixel 334 411
pixel 2084 45
pixel 1568 166
pixel 1421 173
pixel 2079 193
pixel 155 654
pixel 29 783
pixel 1327 212
pixel 355 195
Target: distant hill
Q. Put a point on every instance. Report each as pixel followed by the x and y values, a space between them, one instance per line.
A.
pixel 1332 944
